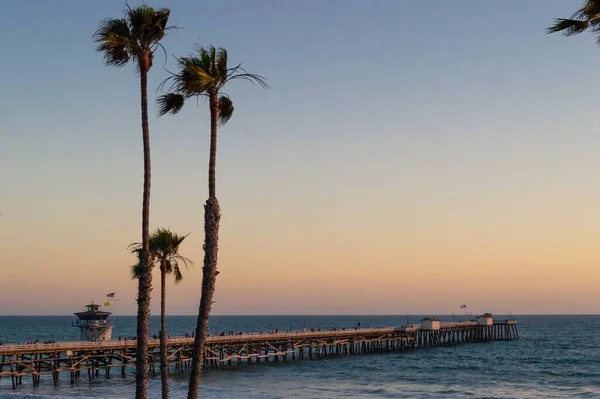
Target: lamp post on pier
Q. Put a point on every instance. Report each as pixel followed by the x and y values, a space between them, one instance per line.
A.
pixel 465 308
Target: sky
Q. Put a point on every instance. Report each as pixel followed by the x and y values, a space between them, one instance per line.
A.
pixel 410 157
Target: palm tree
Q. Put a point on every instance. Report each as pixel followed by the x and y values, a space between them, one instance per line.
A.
pixel 204 74
pixel 164 250
pixel 134 38
pixel 586 18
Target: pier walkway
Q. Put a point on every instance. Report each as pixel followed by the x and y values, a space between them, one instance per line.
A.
pixel 35 360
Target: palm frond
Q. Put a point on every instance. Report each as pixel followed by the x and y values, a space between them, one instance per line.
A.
pixel 186 262
pixel 221 63
pixel 161 243
pixel 177 239
pixel 147 24
pixel 160 20
pixel 177 274
pixel 139 18
pixel 225 110
pixel 212 51
pixel 169 103
pixel 238 72
pixel 568 27
pixel 136 249
pixel 590 11
pixel 194 78
pixel 206 58
pixel 134 271
pixel 115 41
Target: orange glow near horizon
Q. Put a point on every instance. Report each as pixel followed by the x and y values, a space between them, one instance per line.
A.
pixel 363 265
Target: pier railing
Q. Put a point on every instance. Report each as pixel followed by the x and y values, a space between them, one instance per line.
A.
pixel 254 336
pixel 85 345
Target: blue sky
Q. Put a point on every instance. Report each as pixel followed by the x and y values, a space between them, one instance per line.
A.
pixel 394 130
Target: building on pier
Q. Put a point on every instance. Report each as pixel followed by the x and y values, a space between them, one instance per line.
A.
pixel 94 324
pixel 485 319
pixel 430 323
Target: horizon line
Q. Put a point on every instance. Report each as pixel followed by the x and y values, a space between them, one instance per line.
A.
pixel 316 315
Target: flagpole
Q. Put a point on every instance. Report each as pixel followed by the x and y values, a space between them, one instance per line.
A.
pixel 114 313
pixel 464 306
pixel 111 302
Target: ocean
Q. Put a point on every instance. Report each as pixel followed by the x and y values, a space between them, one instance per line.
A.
pixel 556 357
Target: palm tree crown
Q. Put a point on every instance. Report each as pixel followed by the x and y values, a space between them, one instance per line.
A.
pixel 587 17
pixel 164 247
pixel 204 74
pixel 134 37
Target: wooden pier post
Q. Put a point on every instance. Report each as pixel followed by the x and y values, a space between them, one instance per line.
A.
pixel 89 369
pixel 54 365
pixel 123 365
pixel 12 376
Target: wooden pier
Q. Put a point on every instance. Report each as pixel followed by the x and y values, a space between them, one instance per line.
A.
pixel 96 358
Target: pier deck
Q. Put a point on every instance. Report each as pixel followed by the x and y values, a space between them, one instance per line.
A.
pixel 35 360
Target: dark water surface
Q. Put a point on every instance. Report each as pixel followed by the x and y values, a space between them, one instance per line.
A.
pixel 556 357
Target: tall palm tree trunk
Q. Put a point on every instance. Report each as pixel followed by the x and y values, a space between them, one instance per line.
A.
pixel 164 363
pixel 145 279
pixel 212 216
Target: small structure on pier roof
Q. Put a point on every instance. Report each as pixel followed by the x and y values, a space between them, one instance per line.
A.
pixel 430 323
pixel 485 319
pixel 94 324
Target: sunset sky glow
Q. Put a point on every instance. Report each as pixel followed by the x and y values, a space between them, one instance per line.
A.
pixel 410 157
